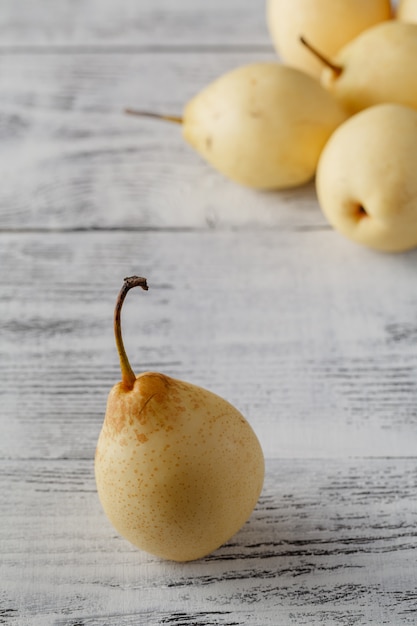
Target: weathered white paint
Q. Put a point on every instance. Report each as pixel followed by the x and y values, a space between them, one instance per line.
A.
pixel 312 337
pixel 251 295
pixel 129 23
pixel 330 542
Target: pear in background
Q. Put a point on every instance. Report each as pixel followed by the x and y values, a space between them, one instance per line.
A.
pixel 178 469
pixel 407 11
pixel 330 24
pixel 262 125
pixel 377 66
pixel 367 178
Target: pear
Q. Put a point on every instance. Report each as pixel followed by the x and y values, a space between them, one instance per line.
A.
pixel 262 125
pixel 407 11
pixel 377 66
pixel 178 469
pixel 366 178
pixel 330 24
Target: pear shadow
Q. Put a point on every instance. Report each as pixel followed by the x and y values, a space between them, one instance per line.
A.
pixel 297 529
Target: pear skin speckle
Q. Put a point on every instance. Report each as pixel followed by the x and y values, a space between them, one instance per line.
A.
pixel 178 469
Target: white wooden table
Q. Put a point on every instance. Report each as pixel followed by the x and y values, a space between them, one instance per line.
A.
pixel 251 295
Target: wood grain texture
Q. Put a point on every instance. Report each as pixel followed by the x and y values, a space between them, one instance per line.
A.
pixel 330 542
pixel 251 295
pixel 311 337
pixel 128 23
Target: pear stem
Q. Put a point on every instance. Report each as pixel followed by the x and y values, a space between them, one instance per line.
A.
pixel 337 69
pixel 158 116
pixel 128 375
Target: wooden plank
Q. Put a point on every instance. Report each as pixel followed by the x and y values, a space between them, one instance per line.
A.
pixel 331 541
pixel 310 336
pixel 72 159
pixel 131 23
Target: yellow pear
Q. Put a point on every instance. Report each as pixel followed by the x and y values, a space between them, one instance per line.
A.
pixel 330 24
pixel 378 66
pixel 178 469
pixel 407 11
pixel 366 178
pixel 262 125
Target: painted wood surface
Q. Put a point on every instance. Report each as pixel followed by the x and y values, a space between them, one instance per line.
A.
pixel 313 339
pixel 128 23
pixel 251 295
pixel 330 542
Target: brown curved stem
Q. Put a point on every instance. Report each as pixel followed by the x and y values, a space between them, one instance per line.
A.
pixel 128 375
pixel 337 69
pixel 158 116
